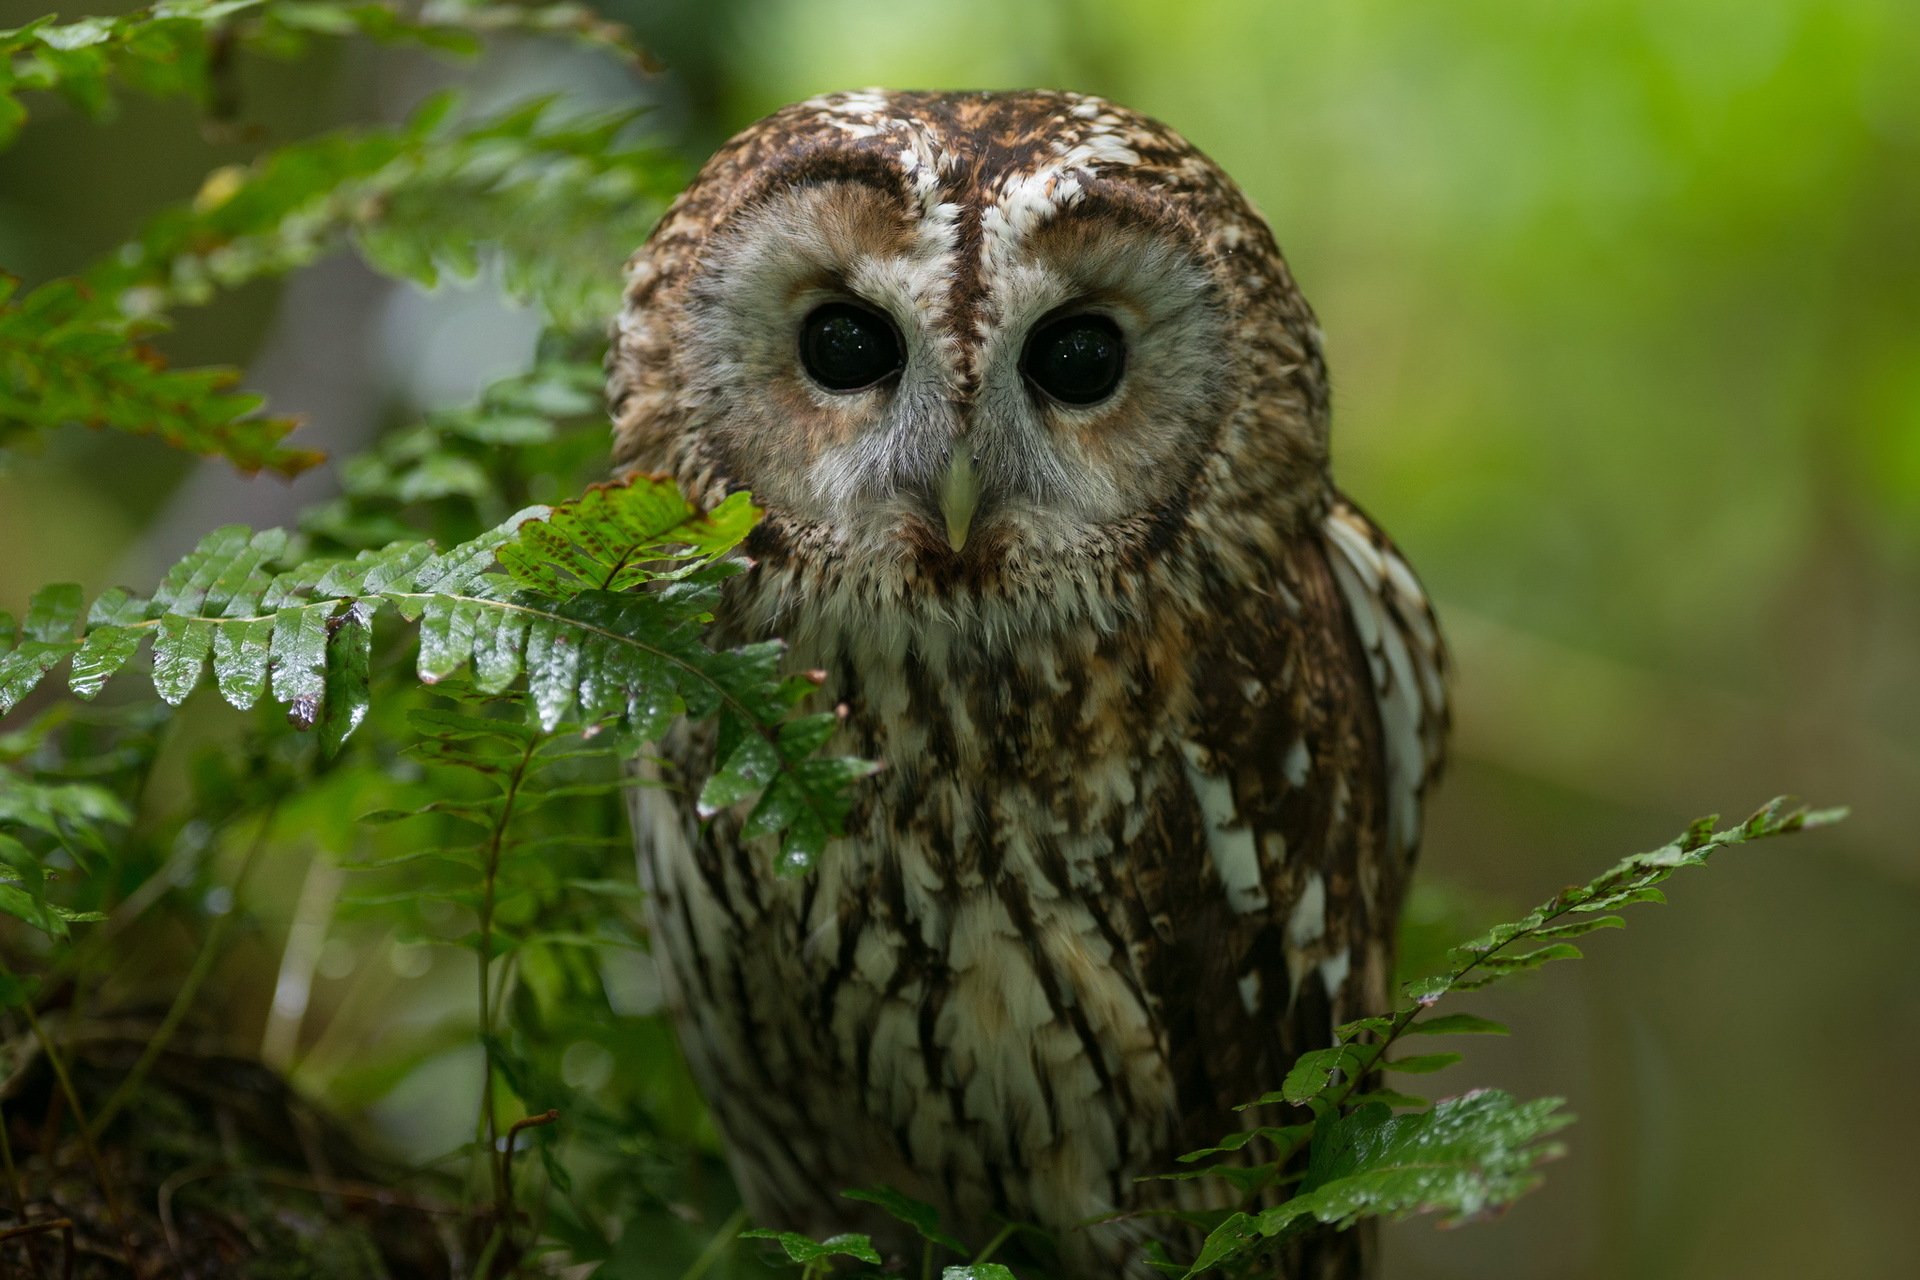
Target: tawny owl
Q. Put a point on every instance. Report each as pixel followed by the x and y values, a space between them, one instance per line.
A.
pixel 1039 420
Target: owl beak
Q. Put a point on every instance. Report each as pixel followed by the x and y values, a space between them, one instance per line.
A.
pixel 959 497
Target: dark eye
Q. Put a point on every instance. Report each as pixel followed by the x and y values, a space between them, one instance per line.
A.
pixel 845 348
pixel 1076 359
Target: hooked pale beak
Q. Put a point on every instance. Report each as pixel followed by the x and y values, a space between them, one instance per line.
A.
pixel 959 497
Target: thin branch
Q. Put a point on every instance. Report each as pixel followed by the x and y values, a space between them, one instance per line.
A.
pixel 496 845
pixel 721 1241
pixel 17 1190
pixel 63 1225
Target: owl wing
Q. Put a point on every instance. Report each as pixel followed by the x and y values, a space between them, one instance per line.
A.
pixel 1406 658
pixel 1319 723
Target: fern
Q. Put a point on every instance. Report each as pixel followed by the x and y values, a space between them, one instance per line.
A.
pixel 553 200
pixel 66 357
pixel 557 612
pixel 1464 1156
pixel 558 198
pixel 469 467
pixel 75 818
pixel 816 1258
pixel 164 50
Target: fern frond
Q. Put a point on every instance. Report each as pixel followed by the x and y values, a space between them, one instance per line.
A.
pixel 556 198
pixel 465 468
pixel 547 599
pixel 553 199
pixel 164 50
pixel 36 815
pixel 67 356
pixel 1463 1156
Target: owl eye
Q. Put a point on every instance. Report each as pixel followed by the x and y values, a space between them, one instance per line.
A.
pixel 1076 359
pixel 845 347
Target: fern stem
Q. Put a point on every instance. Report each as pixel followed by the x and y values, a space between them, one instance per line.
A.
pixel 489 1126
pixel 993 1246
pixel 717 1246
pixel 1337 1097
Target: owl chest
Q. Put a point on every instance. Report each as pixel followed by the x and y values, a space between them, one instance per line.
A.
pixel 954 994
pixel 979 922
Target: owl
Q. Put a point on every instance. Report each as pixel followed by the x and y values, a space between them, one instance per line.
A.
pixel 1038 419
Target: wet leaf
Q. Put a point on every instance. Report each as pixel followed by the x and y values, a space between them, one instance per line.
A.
pixel 803 1250
pixel 921 1216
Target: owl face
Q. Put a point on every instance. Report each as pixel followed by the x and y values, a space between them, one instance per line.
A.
pixel 961 332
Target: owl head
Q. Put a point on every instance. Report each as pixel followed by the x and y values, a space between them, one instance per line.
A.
pixel 953 342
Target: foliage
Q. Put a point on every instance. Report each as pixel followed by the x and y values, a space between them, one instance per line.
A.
pixel 557 633
pixel 1464 1156
pixel 554 199
pixel 177 47
pixel 562 611
pixel 557 197
pixel 1369 1152
pixel 66 356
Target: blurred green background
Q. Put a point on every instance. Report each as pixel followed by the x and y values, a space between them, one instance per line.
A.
pixel 1623 309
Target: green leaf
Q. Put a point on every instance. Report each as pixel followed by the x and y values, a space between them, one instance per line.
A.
pixel 46 637
pixel 1579 928
pixel 978 1271
pixel 1284 1135
pixel 553 668
pixel 499 640
pixel 551 198
pixel 1464 1158
pixel 111 641
pixel 1421 1064
pixel 242 654
pixel 803 1250
pixel 69 355
pixel 1238 1234
pixel 345 701
pixel 166 49
pixel 22 669
pixel 744 763
pixel 446 636
pixel 1452 1024
pixel 1487 959
pixel 1386 1097
pixel 180 655
pixel 922 1217
pixel 1362 1026
pixel 615 537
pixel 299 654
pixel 184 589
pixel 105 651
pixel 1532 959
pixel 49 917
pixel 1314 1070
pixel 52 613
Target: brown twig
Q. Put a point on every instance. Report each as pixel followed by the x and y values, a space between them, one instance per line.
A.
pixel 63 1225
pixel 546 1117
pixel 87 1144
pixel 17 1190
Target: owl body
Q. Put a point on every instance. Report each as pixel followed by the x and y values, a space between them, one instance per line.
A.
pixel 1155 708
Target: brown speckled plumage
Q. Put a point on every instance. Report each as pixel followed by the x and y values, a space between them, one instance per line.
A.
pixel 1155 736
